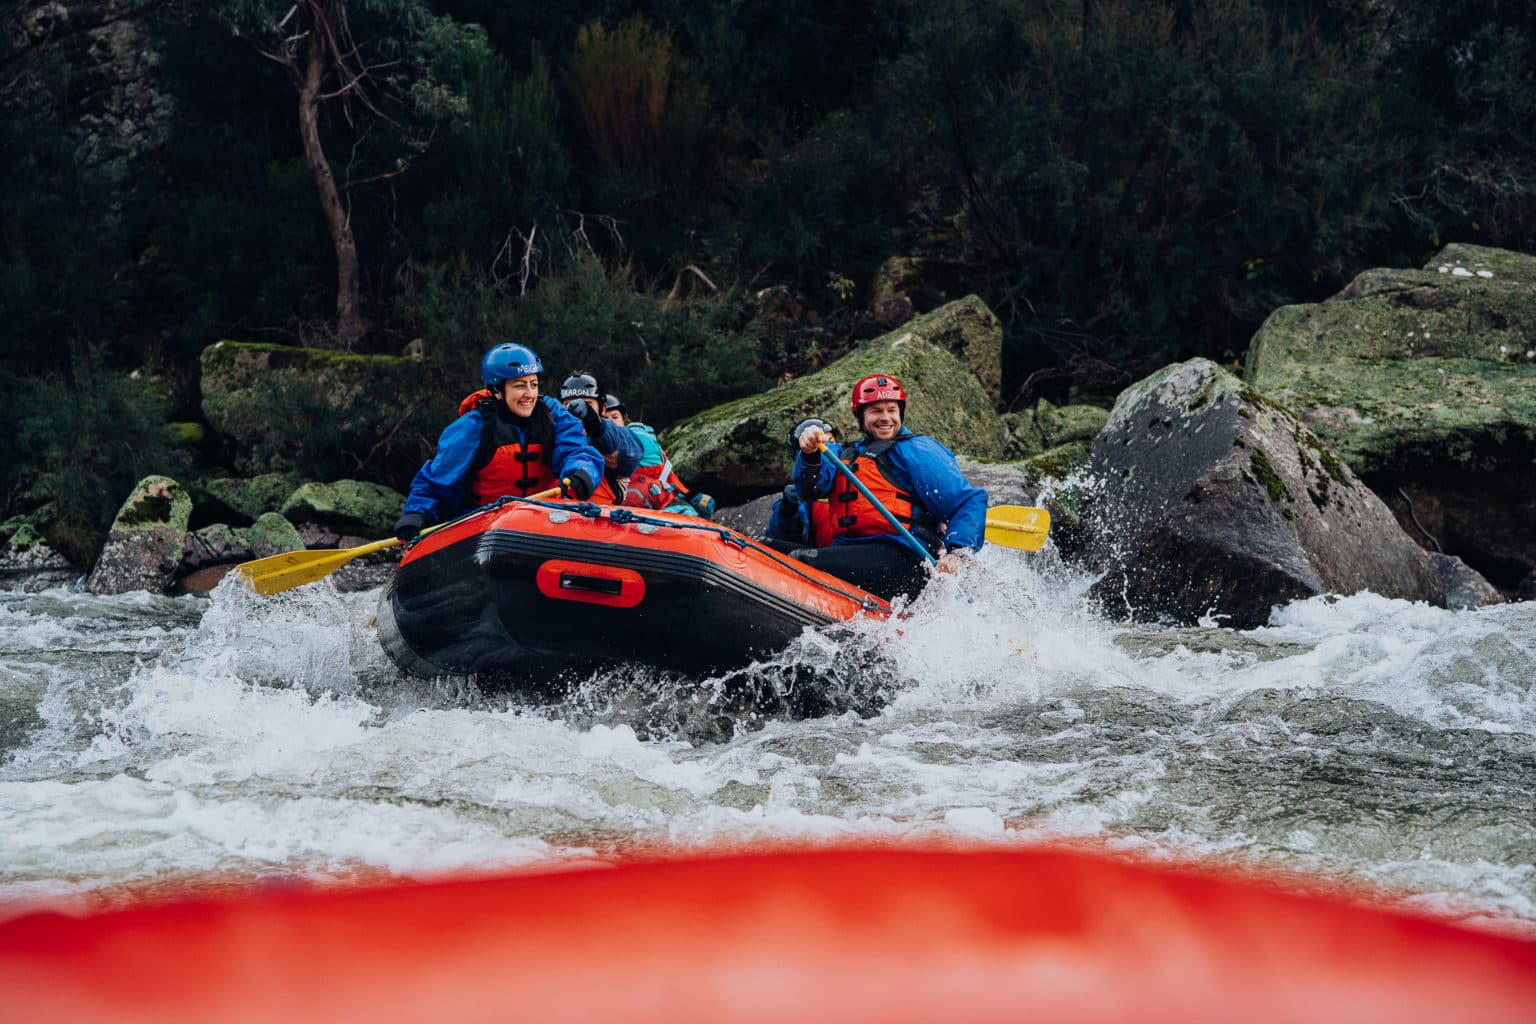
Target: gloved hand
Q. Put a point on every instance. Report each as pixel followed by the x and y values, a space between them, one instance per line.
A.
pixel 409 525
pixel 578 485
pixel 800 428
pixel 591 421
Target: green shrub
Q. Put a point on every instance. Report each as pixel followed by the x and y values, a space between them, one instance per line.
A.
pixel 83 443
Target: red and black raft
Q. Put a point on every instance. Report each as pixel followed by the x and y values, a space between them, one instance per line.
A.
pixel 526 587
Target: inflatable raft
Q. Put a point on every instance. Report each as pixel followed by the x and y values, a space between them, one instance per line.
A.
pixel 841 935
pixel 525 588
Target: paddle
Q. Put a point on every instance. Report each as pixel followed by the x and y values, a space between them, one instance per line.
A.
pixel 1018 526
pixel 853 479
pixel 277 573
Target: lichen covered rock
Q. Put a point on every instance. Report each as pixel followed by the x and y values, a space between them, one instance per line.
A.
pixel 145 546
pixel 1424 382
pixel 348 506
pixel 740 450
pixel 1217 502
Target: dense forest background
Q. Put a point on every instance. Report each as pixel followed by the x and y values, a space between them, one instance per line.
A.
pixel 616 183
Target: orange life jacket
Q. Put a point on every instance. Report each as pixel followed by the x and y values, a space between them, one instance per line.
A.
pixel 606 492
pixel 509 469
pixel 851 515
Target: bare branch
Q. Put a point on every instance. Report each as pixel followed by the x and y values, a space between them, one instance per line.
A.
pixel 525 266
pixel 677 284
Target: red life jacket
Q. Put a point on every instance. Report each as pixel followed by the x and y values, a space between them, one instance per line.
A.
pixel 851 515
pixel 509 469
pixel 654 486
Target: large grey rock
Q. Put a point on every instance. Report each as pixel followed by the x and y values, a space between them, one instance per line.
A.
pixel 1216 501
pixel 216 544
pixel 27 561
pixel 1006 483
pixel 145 545
pixel 751 517
pixel 1424 382
pixel 1464 587
pixel 739 450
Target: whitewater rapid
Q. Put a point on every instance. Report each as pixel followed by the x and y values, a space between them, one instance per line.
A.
pixel 148 742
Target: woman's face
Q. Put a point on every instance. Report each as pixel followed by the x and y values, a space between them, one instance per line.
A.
pixel 882 420
pixel 521 394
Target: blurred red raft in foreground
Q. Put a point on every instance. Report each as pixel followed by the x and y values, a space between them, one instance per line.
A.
pixel 882 934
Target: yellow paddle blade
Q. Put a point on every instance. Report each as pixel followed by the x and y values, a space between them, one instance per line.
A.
pixel 1018 526
pixel 276 573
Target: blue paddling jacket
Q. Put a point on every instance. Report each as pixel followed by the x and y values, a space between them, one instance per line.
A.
pixel 442 486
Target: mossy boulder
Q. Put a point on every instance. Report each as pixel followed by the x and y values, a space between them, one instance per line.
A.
pixel 243 499
pixel 27 560
pixel 216 544
pixel 145 546
pixel 1215 501
pixel 350 506
pixel 1424 382
pixel 1049 426
pixel 272 534
pixel 319 413
pixel 739 450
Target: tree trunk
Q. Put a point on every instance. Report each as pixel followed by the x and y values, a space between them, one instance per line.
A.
pixel 349 327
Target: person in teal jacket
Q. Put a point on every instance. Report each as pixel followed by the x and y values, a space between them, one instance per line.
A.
pixel 652 458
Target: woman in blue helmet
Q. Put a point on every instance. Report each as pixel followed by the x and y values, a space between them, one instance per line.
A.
pixel 508 440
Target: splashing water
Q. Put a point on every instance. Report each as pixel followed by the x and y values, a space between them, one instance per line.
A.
pixel 155 740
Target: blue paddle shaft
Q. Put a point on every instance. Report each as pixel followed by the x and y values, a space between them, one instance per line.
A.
pixel 853 478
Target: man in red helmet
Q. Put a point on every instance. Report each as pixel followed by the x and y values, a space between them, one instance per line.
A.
pixel 914 476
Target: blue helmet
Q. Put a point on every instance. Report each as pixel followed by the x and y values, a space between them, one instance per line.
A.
pixel 508 361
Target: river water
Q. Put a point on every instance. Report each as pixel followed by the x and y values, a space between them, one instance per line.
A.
pixel 150 744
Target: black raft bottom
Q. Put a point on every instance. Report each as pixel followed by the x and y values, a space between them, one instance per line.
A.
pixel 476 607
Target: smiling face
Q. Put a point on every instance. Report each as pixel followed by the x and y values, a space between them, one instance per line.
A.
pixel 617 415
pixel 882 420
pixel 521 394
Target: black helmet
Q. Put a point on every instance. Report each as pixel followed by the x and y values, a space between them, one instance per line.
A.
pixel 611 402
pixel 800 428
pixel 580 384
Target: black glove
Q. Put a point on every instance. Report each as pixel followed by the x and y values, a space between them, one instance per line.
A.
pixel 800 428
pixel 409 526
pixel 591 422
pixel 578 485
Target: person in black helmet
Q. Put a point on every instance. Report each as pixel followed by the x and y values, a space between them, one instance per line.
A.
pixel 508 441
pixel 621 450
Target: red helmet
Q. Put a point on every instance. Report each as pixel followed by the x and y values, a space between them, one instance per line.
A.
pixel 878 388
